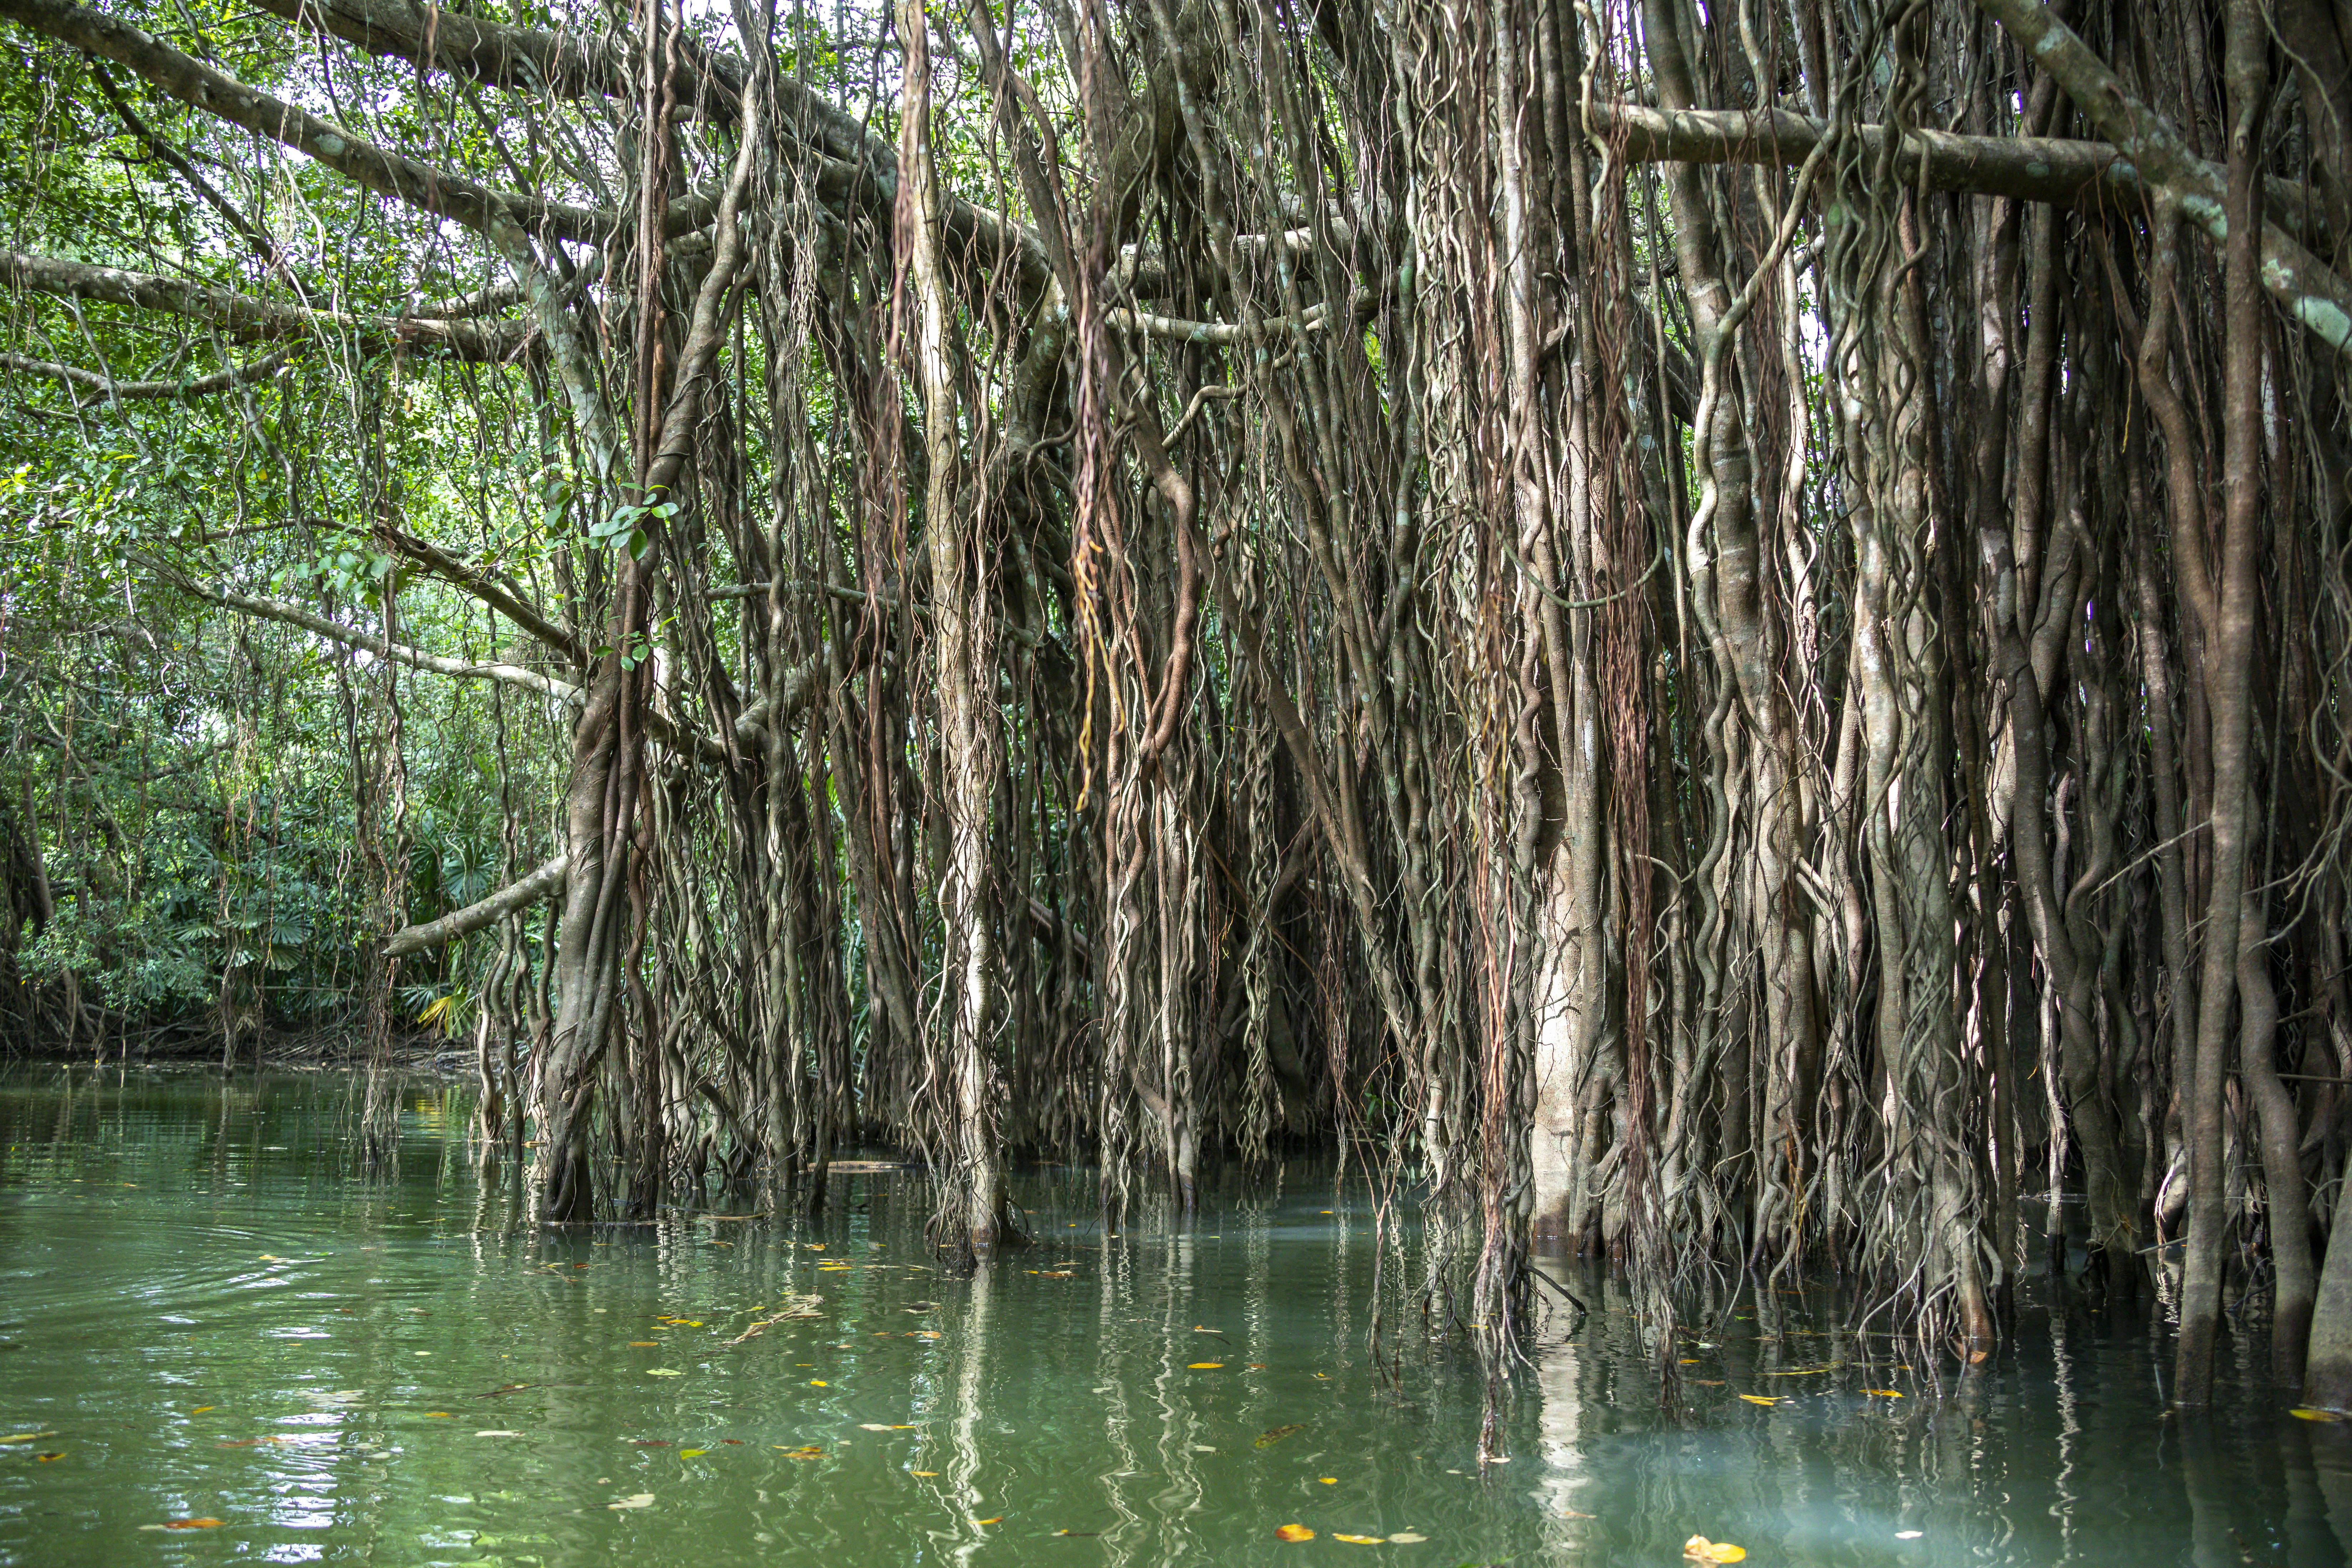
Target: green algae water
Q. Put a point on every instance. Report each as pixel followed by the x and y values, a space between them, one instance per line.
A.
pixel 206 1315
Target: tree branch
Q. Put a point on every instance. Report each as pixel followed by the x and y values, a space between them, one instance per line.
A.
pixel 2062 171
pixel 502 597
pixel 516 896
pixel 244 316
pixel 2303 285
pixel 854 168
pixel 416 659
pixel 437 191
pixel 130 391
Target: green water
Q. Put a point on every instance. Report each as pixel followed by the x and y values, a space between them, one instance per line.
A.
pixel 211 1317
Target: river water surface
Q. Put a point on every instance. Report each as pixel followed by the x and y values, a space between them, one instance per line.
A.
pixel 206 1315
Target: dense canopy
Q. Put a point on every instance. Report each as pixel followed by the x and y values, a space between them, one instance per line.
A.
pixel 1711 631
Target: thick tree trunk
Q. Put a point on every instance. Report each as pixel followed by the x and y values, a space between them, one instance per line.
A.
pixel 2229 678
pixel 973 1206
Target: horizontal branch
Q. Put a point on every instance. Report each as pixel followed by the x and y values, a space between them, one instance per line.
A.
pixel 514 897
pixel 383 648
pixel 1226 332
pixel 135 391
pixel 192 81
pixel 2062 171
pixel 244 316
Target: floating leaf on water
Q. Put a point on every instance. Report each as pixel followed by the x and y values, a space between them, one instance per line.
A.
pixel 1329 1480
pixel 200 1409
pixel 2300 1411
pixel 1363 1540
pixel 875 1427
pixel 927 1475
pixel 644 1344
pixel 663 1372
pixel 998 1519
pixel 186 1524
pixel 27 1437
pixel 47 1458
pixel 1294 1533
pixel 692 1452
pixel 498 1432
pixel 638 1499
pixel 1883 1392
pixel 819 1383
pixel 806 1452
pixel 1909 1534
pixel 1267 1439
pixel 1076 1534
pixel 1761 1398
pixel 1699 1549
pixel 1204 1366
pixel 1406 1538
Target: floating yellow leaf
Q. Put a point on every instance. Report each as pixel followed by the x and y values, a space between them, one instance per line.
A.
pixel 2300 1411
pixel 1406 1538
pixel 640 1499
pixel 47 1458
pixel 644 1344
pixel 27 1437
pixel 1761 1398
pixel 663 1372
pixel 1204 1366
pixel 1699 1549
pixel 1883 1392
pixel 819 1383
pixel 1294 1533
pixel 692 1452
pixel 1329 1480
pixel 927 1475
pixel 875 1427
pixel 806 1451
pixel 1361 1540
pixel 998 1519
pixel 186 1524
pixel 438 1416
pixel 200 1409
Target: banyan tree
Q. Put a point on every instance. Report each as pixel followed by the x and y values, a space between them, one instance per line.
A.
pixel 1708 631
